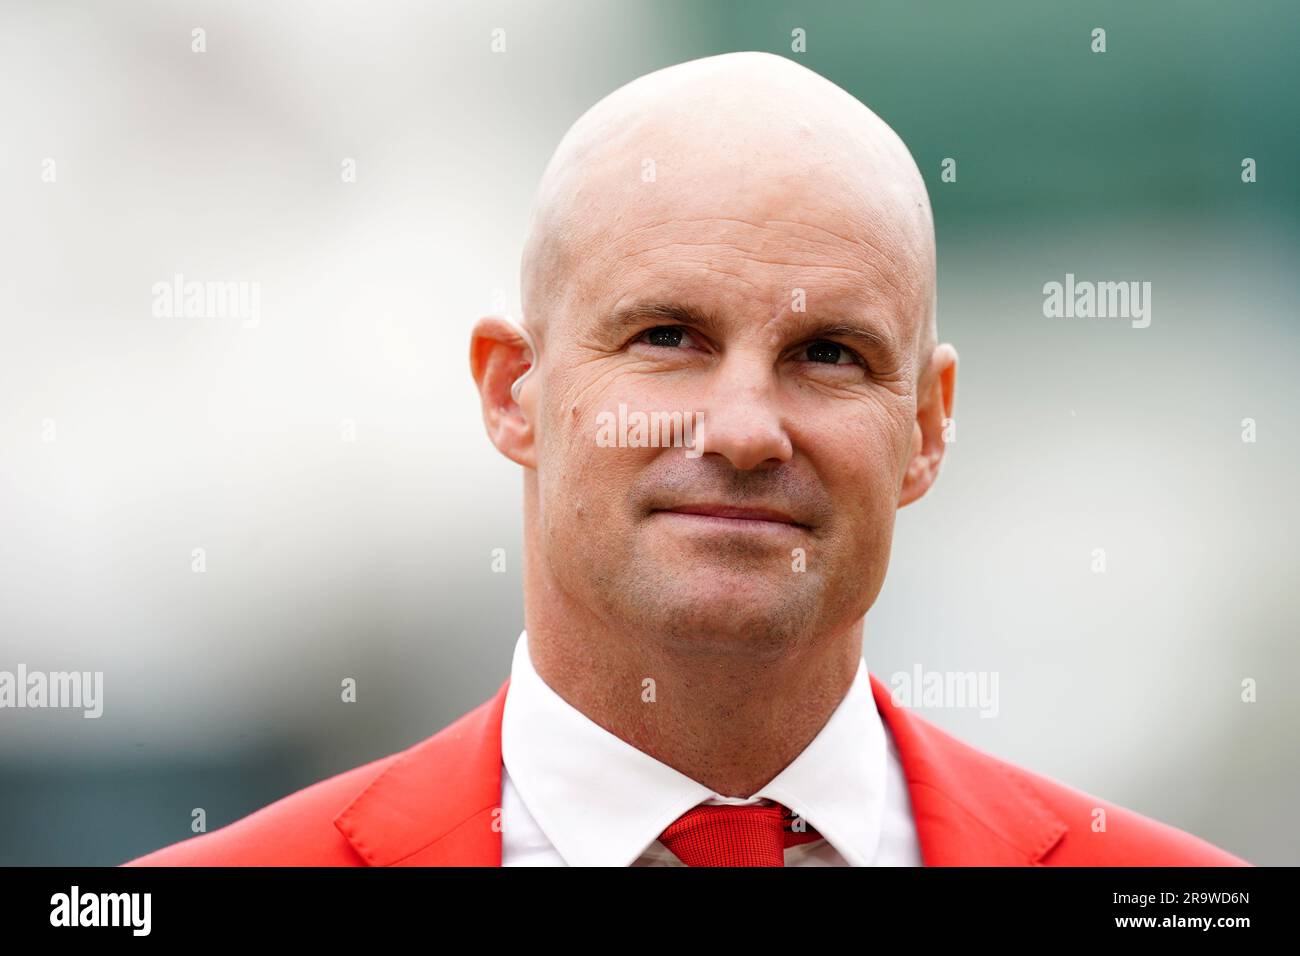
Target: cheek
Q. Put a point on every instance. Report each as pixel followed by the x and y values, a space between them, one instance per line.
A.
pixel 861 479
pixel 583 484
pixel 860 461
pixel 863 489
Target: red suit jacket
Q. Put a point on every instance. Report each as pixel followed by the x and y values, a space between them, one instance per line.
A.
pixel 436 804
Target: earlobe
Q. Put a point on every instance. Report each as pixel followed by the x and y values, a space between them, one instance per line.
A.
pixel 502 357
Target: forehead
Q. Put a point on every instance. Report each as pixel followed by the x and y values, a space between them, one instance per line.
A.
pixel 756 257
pixel 737 217
pixel 746 183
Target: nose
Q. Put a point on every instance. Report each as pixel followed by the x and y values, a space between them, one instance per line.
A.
pixel 743 416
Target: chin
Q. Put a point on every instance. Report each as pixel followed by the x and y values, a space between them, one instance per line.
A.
pixel 722 608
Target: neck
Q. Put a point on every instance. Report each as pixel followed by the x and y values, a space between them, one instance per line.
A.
pixel 714 711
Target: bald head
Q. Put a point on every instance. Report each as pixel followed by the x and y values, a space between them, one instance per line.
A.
pixel 743 138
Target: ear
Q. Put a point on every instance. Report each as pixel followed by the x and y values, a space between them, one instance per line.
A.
pixel 933 408
pixel 498 356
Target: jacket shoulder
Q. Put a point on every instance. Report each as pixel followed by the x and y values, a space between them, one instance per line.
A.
pixel 298 829
pixel 979 808
pixel 1102 833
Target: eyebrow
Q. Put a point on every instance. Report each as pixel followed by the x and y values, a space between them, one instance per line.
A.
pixel 803 325
pixel 642 312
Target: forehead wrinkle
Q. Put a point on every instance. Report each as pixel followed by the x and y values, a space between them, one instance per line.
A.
pixel 859 256
pixel 859 283
pixel 867 236
pixel 754 224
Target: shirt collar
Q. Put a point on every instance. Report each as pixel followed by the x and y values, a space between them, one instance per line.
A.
pixel 602 802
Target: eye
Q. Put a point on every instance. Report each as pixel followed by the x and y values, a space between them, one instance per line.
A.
pixel 666 336
pixel 831 353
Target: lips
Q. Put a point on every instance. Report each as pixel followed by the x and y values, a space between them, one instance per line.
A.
pixel 732 513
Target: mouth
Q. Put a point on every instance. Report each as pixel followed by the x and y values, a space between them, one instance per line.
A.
pixel 728 516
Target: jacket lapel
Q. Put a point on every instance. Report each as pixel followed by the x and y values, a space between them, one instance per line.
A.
pixel 438 803
pixel 971 809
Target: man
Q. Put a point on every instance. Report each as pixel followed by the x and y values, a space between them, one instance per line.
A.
pixel 728 382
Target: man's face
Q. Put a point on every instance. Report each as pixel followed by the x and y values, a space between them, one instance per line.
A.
pixel 785 313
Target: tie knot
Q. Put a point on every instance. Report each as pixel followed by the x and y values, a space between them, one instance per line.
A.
pixel 723 835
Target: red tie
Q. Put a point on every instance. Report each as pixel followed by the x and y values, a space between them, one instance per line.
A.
pixel 724 835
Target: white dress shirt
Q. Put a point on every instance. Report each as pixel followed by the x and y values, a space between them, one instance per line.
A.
pixel 573 794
